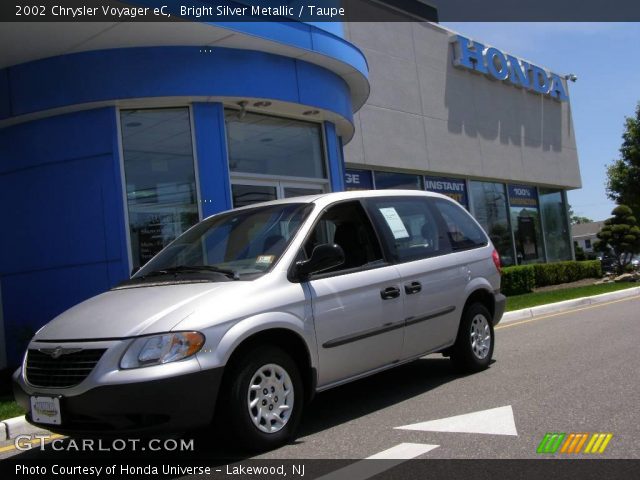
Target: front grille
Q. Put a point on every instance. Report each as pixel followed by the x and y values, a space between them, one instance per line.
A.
pixel 42 370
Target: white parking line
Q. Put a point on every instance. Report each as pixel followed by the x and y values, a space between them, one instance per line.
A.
pixel 386 459
pixel 403 451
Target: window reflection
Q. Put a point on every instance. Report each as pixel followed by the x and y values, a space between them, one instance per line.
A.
pixel 525 221
pixel 556 228
pixel 244 195
pixel 274 146
pixel 386 180
pixel 490 209
pixel 159 178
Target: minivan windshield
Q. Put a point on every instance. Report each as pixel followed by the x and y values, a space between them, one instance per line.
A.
pixel 241 244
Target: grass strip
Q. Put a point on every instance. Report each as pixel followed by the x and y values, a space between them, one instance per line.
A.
pixel 529 300
pixel 9 408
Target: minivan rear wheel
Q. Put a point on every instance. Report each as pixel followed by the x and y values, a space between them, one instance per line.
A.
pixel 265 399
pixel 473 349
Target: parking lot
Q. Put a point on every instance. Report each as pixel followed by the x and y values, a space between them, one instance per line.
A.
pixel 574 372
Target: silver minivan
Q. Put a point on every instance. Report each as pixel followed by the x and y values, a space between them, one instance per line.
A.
pixel 252 311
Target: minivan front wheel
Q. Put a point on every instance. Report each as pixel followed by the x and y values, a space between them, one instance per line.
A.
pixel 473 349
pixel 265 398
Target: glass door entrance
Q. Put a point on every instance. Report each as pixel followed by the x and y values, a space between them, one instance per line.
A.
pixel 247 192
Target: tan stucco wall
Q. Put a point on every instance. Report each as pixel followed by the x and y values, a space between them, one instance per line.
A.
pixel 425 115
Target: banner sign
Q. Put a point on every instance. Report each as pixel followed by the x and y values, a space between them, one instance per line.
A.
pixel 357 180
pixel 455 188
pixel 523 196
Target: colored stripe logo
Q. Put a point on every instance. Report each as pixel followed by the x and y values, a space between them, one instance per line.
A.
pixel 553 442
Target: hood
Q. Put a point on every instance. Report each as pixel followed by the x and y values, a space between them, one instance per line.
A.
pixel 130 312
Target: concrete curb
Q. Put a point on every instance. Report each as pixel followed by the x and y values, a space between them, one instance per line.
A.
pixel 12 427
pixel 551 308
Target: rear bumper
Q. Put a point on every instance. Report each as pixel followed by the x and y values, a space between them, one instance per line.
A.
pixel 499 304
pixel 165 405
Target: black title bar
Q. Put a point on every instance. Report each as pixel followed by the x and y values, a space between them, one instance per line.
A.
pixel 319 10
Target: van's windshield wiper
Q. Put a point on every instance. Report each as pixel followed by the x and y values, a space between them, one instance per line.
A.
pixel 194 269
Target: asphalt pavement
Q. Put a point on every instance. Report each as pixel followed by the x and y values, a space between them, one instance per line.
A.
pixel 573 372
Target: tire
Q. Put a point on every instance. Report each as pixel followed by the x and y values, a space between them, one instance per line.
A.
pixel 473 349
pixel 249 413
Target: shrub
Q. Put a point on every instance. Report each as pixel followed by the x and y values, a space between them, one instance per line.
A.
pixel 522 279
pixel 517 280
pixel 565 272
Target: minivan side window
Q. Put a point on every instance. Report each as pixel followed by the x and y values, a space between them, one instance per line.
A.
pixel 409 227
pixel 463 232
pixel 347 225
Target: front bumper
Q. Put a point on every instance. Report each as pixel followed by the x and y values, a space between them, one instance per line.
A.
pixel 170 404
pixel 499 304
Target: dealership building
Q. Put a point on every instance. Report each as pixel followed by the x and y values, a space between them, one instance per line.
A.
pixel 115 138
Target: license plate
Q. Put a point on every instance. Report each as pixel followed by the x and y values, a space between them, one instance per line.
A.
pixel 46 410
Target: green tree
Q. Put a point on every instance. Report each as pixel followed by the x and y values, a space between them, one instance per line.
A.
pixel 621 235
pixel 575 219
pixel 623 175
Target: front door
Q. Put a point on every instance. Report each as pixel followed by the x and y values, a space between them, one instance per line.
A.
pixel 249 191
pixel 357 307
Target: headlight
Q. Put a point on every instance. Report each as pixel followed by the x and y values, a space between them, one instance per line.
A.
pixel 159 349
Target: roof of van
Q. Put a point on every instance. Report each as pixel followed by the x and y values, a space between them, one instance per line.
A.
pixel 325 198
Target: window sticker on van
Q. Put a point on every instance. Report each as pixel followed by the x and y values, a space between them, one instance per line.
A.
pixel 265 259
pixel 395 222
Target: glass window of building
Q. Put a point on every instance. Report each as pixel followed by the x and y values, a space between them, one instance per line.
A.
pixel 244 195
pixel 525 221
pixel 265 145
pixel 386 180
pixel 357 179
pixel 490 208
pixel 159 177
pixel 455 188
pixel 556 228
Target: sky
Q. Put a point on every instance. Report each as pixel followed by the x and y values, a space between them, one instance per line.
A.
pixel 604 57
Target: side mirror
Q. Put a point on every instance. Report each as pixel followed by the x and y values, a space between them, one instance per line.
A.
pixel 323 257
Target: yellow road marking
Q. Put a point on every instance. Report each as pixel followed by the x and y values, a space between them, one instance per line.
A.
pixel 551 315
pixel 32 442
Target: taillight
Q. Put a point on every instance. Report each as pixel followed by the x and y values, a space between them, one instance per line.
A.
pixel 496 261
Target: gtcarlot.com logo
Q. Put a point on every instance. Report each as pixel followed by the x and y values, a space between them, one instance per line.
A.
pixel 60 443
pixel 573 443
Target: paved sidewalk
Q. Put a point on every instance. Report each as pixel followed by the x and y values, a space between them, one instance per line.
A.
pixel 13 427
pixel 567 305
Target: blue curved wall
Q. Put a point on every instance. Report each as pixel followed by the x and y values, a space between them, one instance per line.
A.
pixel 62 209
pixel 116 74
pixel 61 196
pixel 306 36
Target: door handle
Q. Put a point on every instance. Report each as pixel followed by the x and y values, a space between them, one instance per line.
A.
pixel 389 293
pixel 413 287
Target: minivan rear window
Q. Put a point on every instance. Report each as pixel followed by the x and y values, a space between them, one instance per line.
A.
pixel 462 230
pixel 409 227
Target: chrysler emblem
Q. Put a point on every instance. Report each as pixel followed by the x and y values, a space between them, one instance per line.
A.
pixel 57 352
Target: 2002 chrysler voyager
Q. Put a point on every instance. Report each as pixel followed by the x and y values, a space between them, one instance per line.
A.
pixel 252 311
